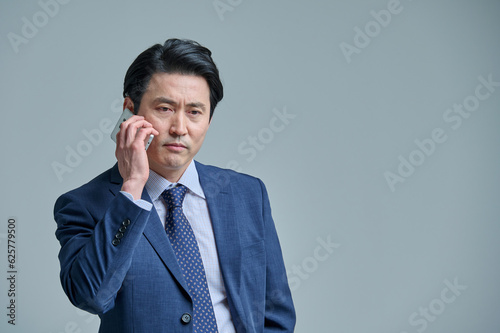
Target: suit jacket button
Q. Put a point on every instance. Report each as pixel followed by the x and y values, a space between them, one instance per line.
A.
pixel 126 222
pixel 122 228
pixel 186 318
pixel 119 235
pixel 115 241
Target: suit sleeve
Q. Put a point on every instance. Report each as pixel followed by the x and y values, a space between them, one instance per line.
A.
pixel 96 247
pixel 279 309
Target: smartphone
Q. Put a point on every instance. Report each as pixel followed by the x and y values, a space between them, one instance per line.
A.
pixel 125 115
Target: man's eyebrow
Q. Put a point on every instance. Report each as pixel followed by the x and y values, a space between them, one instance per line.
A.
pixel 163 100
pixel 169 101
pixel 197 105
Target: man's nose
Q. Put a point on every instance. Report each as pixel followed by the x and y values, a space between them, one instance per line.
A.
pixel 178 124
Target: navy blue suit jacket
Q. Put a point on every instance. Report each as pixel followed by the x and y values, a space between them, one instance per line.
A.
pixel 135 284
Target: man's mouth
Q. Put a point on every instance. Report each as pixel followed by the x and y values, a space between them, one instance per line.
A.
pixel 175 146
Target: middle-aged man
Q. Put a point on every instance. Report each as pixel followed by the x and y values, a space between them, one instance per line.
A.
pixel 160 242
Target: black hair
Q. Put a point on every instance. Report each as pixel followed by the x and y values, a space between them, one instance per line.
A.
pixel 180 56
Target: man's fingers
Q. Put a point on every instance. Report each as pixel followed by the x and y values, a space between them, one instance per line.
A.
pixel 122 135
pixel 134 128
pixel 144 133
pixel 139 133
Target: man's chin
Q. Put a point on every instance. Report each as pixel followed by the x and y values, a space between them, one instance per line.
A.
pixel 171 166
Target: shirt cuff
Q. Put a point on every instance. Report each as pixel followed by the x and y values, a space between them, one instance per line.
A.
pixel 140 203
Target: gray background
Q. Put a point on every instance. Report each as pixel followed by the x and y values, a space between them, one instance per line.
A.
pixel 352 119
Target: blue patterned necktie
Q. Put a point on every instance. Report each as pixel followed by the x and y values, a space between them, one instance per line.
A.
pixel 186 249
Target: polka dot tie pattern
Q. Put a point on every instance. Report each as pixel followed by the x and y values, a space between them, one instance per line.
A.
pixel 186 249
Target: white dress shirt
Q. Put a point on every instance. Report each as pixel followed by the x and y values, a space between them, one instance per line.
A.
pixel 195 208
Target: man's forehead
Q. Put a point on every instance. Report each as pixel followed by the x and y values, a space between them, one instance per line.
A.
pixel 174 80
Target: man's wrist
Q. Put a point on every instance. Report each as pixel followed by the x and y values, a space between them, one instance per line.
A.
pixel 134 188
pixel 146 205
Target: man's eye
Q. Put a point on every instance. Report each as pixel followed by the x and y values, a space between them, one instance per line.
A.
pixel 195 112
pixel 164 108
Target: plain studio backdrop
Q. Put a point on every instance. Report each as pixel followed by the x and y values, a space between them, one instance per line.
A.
pixel 374 125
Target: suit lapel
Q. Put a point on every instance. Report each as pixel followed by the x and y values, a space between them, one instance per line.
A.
pixel 157 237
pixel 154 232
pixel 218 192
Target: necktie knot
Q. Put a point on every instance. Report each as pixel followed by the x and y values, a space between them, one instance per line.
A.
pixel 174 196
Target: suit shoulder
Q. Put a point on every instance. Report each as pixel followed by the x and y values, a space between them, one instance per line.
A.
pixel 221 172
pixel 93 187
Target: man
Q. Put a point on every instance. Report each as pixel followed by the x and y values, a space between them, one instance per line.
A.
pixel 159 242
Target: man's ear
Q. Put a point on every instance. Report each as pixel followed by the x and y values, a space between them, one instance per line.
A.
pixel 128 104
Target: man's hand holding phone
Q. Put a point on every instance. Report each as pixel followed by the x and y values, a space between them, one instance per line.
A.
pixel 131 140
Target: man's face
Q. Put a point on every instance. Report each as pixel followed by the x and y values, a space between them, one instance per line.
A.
pixel 178 106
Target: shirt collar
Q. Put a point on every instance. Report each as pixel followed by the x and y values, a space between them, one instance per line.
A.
pixel 156 184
